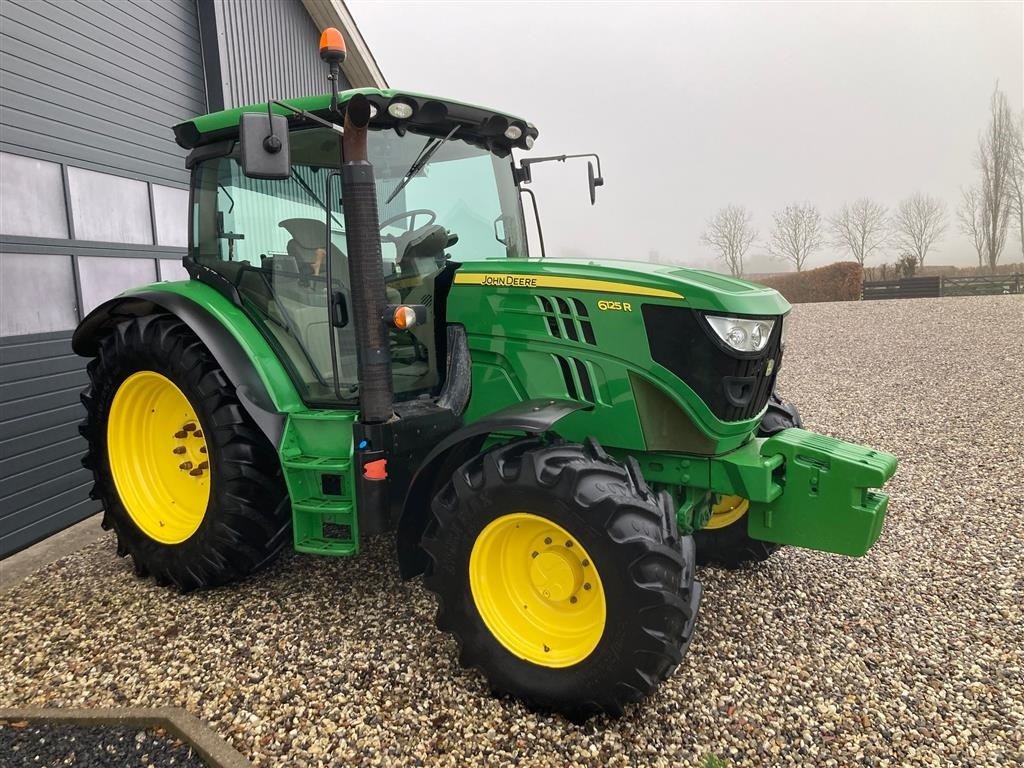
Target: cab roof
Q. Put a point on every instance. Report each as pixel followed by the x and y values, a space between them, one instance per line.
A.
pixel 431 116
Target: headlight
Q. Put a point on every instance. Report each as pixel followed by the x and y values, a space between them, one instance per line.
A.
pixel 741 333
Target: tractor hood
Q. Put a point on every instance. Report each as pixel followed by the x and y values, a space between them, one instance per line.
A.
pixel 696 288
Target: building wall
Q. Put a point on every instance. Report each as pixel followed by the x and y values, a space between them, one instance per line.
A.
pixel 89 83
pixel 258 58
pixel 93 194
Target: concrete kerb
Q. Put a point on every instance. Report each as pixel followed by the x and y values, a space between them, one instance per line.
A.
pixel 15 568
pixel 175 720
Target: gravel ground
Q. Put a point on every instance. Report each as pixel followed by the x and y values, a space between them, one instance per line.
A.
pixel 913 655
pixel 28 745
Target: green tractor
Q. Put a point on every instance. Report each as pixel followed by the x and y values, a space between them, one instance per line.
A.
pixel 365 345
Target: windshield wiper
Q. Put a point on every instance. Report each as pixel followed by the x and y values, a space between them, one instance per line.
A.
pixel 428 151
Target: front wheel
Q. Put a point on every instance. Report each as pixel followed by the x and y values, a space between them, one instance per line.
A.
pixel 562 575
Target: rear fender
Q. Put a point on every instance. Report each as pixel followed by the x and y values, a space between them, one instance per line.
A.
pixel 261 382
pixel 531 417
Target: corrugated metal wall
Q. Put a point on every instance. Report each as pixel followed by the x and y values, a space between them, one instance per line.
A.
pixel 99 84
pixel 94 200
pixel 270 51
pixel 45 488
pixel 94 194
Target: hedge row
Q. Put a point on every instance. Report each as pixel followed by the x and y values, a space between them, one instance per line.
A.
pixel 837 282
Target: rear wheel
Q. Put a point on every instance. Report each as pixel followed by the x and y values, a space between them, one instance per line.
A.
pixel 562 576
pixel 724 540
pixel 188 482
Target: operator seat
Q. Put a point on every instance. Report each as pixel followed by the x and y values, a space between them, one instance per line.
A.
pixel 304 297
pixel 421 251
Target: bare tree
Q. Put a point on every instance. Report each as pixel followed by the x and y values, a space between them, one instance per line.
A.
pixel 797 234
pixel 972 223
pixel 730 234
pixel 1017 180
pixel 861 227
pixel 918 223
pixel 995 158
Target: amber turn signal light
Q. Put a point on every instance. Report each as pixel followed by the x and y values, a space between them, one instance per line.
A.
pixel 332 46
pixel 404 317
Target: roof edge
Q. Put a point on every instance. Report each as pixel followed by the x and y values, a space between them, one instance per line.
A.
pixel 359 66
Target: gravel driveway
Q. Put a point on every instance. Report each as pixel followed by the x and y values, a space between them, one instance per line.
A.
pixel 913 655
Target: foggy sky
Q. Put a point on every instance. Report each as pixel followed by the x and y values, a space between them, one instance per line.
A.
pixel 693 106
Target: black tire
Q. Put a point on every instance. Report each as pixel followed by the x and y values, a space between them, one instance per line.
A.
pixel 629 532
pixel 248 518
pixel 731 547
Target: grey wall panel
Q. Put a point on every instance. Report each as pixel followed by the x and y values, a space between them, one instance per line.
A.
pixel 43 487
pixel 40 440
pixel 108 208
pixel 47 518
pixel 170 215
pixel 104 277
pixel 37 293
pixel 106 96
pixel 172 269
pixel 57 478
pixel 59 464
pixel 22 423
pixel 60 442
pixel 31 198
pixel 37 388
pixel 40 347
pixel 271 51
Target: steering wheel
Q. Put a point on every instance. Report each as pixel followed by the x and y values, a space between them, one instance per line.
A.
pixel 407 215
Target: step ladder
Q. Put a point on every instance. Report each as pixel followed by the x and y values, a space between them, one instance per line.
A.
pixel 316 454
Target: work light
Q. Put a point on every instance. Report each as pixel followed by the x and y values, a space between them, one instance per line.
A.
pixel 744 334
pixel 400 110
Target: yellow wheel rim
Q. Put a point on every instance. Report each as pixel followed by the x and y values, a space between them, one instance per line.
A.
pixel 158 457
pixel 727 511
pixel 537 590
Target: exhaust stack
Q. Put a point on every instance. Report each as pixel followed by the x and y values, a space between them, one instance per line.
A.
pixel 362 233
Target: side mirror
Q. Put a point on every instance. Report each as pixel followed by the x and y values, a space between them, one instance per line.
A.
pixel 265 151
pixel 594 181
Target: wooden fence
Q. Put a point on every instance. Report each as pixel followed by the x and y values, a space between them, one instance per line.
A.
pixel 932 287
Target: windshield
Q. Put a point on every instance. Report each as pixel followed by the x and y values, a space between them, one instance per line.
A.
pixel 269 239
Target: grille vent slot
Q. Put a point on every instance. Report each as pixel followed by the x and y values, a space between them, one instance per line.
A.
pixel 578 382
pixel 567 319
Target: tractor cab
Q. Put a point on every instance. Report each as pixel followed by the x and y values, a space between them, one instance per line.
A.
pixel 281 245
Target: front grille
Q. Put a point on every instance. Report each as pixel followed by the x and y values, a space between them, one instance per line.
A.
pixel 734 387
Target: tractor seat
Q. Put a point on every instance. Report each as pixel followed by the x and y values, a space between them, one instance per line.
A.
pixel 422 250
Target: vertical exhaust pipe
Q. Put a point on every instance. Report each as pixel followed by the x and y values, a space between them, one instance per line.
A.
pixel 362 233
pixel 366 276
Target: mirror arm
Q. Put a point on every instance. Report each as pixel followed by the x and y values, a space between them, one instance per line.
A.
pixel 524 174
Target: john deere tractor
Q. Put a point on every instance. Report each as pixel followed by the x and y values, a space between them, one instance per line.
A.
pixel 366 345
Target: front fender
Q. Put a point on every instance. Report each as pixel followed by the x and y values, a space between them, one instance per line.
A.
pixel 260 380
pixel 531 416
